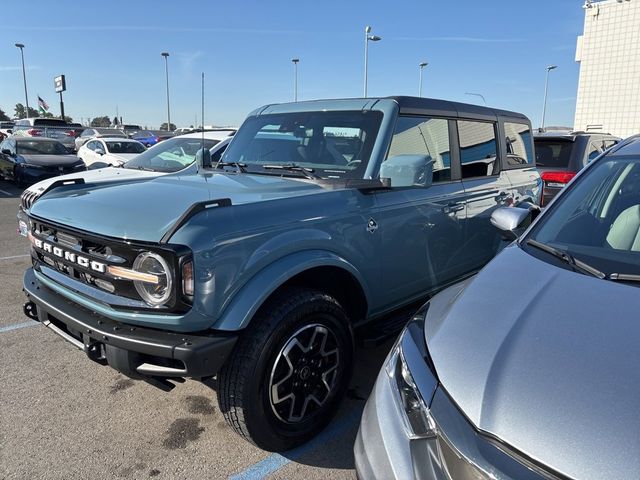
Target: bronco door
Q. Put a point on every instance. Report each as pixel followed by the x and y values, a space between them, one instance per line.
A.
pixel 420 219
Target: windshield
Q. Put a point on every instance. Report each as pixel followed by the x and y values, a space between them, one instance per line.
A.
pixel 125 147
pixel 170 156
pixel 332 144
pixel 553 153
pixel 36 147
pixel 598 220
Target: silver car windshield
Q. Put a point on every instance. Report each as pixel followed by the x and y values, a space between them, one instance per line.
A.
pixel 325 144
pixel 597 221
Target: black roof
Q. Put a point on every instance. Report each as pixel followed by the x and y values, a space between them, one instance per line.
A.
pixel 433 106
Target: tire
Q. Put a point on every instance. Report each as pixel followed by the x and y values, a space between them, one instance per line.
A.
pixel 269 364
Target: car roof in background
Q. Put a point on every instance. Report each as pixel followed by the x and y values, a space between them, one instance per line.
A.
pixel 35 139
pixel 118 139
pixel 115 131
pixel 211 134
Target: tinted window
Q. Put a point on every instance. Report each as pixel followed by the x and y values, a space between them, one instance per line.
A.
pixel 518 139
pixel 598 219
pixel 334 144
pixel 41 148
pixel 553 153
pixel 49 122
pixel 125 147
pixel 478 148
pixel 424 136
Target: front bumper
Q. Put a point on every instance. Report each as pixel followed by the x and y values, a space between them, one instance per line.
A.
pixel 135 351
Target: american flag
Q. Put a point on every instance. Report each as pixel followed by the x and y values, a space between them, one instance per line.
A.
pixel 42 104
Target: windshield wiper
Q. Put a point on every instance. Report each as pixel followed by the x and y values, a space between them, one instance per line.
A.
pixel 576 264
pixel 623 277
pixel 240 167
pixel 292 167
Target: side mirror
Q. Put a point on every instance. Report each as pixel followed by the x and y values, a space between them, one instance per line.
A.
pixel 9 131
pixel 203 158
pixel 99 151
pixel 408 170
pixel 511 220
pixel 6 151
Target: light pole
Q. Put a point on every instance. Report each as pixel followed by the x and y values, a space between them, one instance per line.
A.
pixel 477 95
pixel 24 77
pixel 166 71
pixel 421 65
pixel 295 78
pixel 546 87
pixel 368 37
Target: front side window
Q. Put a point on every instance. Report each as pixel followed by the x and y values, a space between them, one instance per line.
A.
pixel 478 148
pixel 518 139
pixel 598 220
pixel 332 144
pixel 427 137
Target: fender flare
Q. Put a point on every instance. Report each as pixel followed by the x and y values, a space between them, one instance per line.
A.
pixel 237 314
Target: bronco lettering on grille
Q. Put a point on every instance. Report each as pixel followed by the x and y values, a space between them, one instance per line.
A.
pixel 69 256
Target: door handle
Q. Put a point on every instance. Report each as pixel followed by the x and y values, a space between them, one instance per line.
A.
pixel 452 207
pixel 501 197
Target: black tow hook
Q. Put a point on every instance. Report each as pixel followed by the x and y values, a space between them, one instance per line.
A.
pixel 30 310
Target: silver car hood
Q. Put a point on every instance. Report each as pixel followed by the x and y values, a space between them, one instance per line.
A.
pixel 547 360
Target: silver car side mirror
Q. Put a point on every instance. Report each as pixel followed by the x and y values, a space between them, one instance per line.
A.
pixel 509 219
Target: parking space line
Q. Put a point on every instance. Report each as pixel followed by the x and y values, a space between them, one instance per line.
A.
pixel 6 193
pixel 15 256
pixel 17 326
pixel 276 461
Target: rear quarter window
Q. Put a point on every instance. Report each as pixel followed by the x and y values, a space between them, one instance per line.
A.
pixel 519 149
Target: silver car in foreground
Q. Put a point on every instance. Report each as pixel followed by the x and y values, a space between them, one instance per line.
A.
pixel 531 369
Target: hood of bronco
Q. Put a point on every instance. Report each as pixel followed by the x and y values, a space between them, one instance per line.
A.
pixel 145 210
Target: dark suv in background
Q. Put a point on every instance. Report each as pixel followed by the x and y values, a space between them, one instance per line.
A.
pixel 560 155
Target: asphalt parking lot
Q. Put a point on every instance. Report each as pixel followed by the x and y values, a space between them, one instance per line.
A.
pixel 64 416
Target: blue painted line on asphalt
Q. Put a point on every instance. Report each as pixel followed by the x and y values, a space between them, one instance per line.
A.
pixel 17 326
pixel 276 461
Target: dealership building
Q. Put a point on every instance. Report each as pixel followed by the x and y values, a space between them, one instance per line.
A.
pixel 609 55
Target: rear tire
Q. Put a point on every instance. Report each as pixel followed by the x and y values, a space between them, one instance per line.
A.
pixel 289 370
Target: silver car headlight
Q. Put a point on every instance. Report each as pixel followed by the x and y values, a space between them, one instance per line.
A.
pixel 156 288
pixel 410 396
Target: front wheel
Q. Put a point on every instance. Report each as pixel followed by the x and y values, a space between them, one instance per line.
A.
pixel 289 370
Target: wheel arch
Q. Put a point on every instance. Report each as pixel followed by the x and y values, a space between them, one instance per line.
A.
pixel 324 271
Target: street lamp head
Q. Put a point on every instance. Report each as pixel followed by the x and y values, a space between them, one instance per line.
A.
pixel 165 54
pixel 367 29
pixel 423 64
pixel 19 45
pixel 374 38
pixel 295 60
pixel 552 67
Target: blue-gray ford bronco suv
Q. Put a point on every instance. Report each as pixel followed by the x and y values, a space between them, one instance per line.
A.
pixel 322 220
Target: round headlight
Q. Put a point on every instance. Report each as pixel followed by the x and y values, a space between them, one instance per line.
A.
pixel 156 293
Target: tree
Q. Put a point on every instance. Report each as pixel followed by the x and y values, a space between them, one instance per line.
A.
pixel 104 121
pixel 164 126
pixel 21 111
pixel 3 116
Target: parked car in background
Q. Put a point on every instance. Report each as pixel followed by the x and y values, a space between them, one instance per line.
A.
pixel 498 376
pixel 97 132
pixel 6 127
pixel 150 137
pixel 27 160
pixel 561 155
pixel 172 156
pixel 109 151
pixel 181 130
pixel 55 128
pixel 320 218
pixel 129 129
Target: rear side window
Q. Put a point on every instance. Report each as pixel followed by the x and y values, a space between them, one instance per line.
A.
pixel 553 153
pixel 518 139
pixel 594 151
pixel 424 136
pixel 478 148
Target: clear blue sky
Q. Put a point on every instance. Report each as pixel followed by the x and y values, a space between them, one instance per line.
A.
pixel 110 53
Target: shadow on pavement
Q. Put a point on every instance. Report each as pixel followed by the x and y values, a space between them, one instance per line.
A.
pixel 9 190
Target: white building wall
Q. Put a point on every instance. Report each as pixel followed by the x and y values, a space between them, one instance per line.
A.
pixel 609 55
